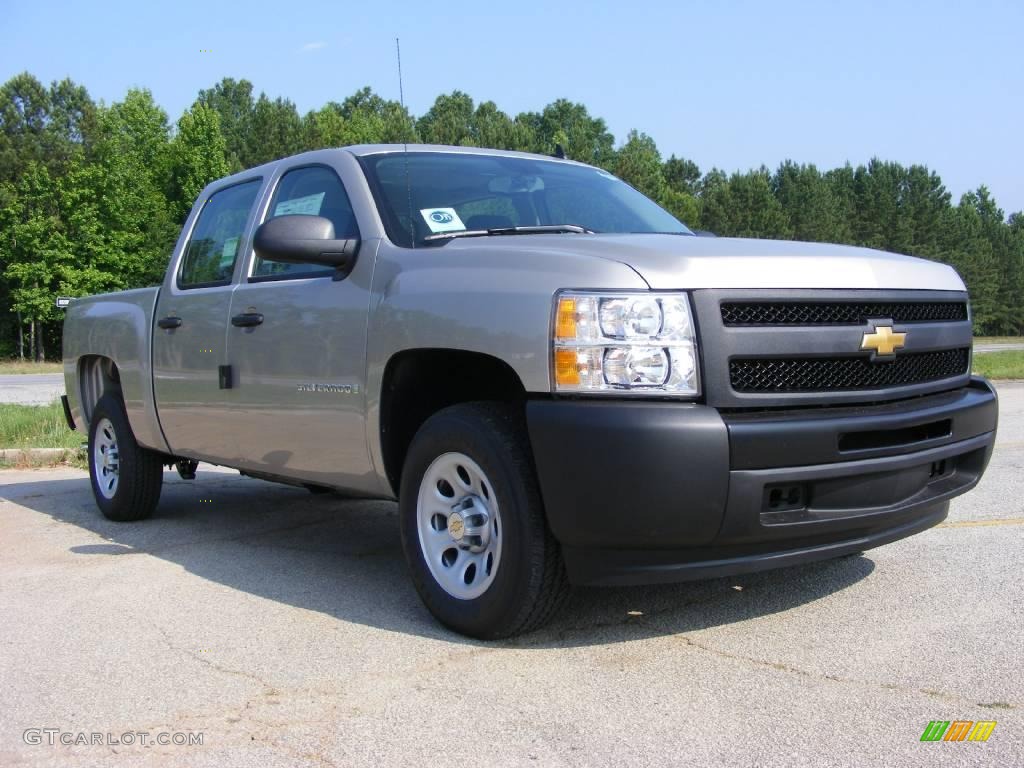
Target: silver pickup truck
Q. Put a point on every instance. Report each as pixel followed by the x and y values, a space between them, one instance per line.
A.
pixel 556 379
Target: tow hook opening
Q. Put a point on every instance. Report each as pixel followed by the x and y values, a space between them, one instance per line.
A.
pixel 785 498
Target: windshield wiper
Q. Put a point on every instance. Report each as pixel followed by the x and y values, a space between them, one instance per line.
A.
pixel 538 229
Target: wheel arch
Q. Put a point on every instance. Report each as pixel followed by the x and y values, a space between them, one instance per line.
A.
pixel 96 376
pixel 417 383
pixel 107 346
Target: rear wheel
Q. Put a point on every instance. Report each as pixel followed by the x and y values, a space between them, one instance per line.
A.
pixel 126 478
pixel 473 527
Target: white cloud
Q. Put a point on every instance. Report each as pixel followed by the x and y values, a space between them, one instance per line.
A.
pixel 313 46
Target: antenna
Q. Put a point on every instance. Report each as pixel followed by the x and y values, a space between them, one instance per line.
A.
pixel 405 137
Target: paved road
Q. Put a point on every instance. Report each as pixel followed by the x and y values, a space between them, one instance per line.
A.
pixel 284 628
pixel 31 388
pixel 982 348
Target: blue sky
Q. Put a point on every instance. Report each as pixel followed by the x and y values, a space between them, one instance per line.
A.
pixel 727 84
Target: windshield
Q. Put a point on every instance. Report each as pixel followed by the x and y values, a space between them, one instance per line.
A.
pixel 454 192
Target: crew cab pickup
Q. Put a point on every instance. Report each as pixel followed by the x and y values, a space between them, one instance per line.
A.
pixel 556 380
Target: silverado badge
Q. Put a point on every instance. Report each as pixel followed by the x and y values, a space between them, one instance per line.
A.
pixel 883 341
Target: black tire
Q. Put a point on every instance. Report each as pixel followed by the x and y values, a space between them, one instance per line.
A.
pixel 530 583
pixel 140 472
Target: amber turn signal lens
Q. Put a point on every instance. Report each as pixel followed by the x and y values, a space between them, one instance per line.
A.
pixel 567 372
pixel 565 319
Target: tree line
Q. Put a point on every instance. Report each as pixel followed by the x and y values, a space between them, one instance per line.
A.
pixel 92 195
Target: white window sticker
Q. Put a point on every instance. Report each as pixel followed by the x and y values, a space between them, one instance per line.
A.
pixel 227 254
pixel 308 205
pixel 442 219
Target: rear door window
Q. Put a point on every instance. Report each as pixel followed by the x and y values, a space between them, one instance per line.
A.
pixel 213 247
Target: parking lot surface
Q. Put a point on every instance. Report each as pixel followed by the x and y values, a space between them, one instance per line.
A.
pixel 283 628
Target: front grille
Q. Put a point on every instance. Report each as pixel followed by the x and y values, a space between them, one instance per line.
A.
pixel 840 312
pixel 824 374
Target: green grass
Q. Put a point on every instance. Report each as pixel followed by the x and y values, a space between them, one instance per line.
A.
pixel 1008 364
pixel 14 366
pixel 36 426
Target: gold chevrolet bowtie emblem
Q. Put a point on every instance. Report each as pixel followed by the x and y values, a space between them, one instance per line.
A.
pixel 883 341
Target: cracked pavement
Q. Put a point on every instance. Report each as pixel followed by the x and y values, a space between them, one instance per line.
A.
pixel 283 627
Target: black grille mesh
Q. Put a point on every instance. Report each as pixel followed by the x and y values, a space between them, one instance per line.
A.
pixel 823 374
pixel 840 312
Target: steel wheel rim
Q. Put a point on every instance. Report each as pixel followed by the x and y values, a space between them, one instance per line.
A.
pixel 459 526
pixel 106 459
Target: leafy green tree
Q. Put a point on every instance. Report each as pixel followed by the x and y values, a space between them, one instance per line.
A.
pixel 377 120
pixel 808 201
pixel 682 205
pixel 33 249
pixel 680 194
pixel 881 220
pixel 130 183
pixel 966 248
pixel 494 129
pixel 923 200
pixel 449 121
pixel 138 127
pixel 327 127
pixel 638 163
pixel 233 102
pixel 682 175
pixel 72 126
pixel 48 129
pixel 842 189
pixel 198 156
pixel 49 126
pixel 276 132
pixel 583 137
pixel 1012 295
pixel 744 205
pixel 362 118
pixel 24 116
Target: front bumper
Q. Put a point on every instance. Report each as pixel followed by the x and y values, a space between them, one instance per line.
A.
pixel 652 492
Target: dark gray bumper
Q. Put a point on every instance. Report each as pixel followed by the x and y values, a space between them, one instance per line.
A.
pixel 646 492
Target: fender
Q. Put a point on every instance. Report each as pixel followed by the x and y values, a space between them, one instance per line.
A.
pixel 463 296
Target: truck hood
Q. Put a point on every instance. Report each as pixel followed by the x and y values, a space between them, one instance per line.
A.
pixel 680 261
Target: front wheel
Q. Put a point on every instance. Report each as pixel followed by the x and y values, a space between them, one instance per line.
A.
pixel 126 478
pixel 473 526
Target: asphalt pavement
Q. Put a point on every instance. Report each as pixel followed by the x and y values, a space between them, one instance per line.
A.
pixel 31 388
pixel 997 347
pixel 283 628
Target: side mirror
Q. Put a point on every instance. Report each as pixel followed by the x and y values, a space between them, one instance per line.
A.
pixel 299 239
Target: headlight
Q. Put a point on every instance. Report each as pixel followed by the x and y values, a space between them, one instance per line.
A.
pixel 638 343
